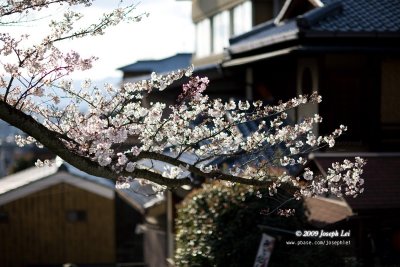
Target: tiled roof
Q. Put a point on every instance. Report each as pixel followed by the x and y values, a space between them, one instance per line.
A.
pixel 266 36
pixel 337 17
pixel 382 181
pixel 362 16
pixel 178 61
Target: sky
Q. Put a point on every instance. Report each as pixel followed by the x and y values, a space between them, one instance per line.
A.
pixel 166 31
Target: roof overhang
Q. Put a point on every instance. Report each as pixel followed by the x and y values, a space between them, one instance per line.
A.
pixel 266 41
pixel 51 180
pixel 308 50
pixel 255 58
pixel 324 211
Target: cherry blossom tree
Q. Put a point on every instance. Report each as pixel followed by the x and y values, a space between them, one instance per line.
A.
pixel 118 137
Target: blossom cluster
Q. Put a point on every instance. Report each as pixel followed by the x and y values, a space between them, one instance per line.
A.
pixel 342 178
pixel 116 117
pixel 113 128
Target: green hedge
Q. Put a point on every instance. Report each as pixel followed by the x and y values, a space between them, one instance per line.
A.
pixel 218 226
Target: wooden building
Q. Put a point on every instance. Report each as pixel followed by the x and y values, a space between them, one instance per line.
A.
pixel 346 50
pixel 54 215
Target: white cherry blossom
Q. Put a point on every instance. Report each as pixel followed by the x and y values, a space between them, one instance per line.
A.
pixel 109 131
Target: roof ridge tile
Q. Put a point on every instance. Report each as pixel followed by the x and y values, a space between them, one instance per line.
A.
pixel 313 16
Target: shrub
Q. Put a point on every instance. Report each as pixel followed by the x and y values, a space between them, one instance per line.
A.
pixel 219 226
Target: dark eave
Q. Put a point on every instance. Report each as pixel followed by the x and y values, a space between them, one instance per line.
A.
pixel 310 49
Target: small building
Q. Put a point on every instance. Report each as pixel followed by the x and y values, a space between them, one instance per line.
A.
pixel 55 215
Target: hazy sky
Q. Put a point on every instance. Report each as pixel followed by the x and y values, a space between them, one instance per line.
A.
pixel 168 30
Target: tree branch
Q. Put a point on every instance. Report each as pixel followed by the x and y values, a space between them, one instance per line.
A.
pixel 49 139
pixel 211 175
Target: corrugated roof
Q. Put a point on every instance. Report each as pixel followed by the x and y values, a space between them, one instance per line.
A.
pixel 99 180
pixel 25 177
pixel 140 196
pixel 178 61
pixel 34 179
pixel 137 195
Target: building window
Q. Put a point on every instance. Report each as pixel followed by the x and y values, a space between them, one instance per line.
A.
pixel 212 35
pixel 242 18
pixel 203 38
pixel 221 31
pixel 76 216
